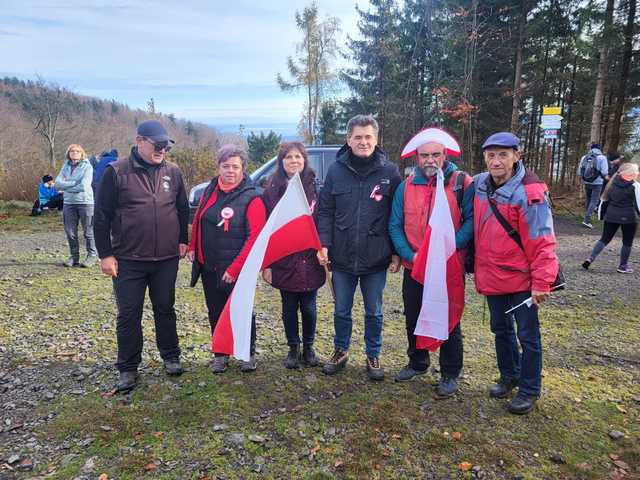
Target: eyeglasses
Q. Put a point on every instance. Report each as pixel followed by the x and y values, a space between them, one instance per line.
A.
pixel 160 146
pixel 435 156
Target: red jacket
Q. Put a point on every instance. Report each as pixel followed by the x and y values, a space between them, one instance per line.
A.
pixel 501 266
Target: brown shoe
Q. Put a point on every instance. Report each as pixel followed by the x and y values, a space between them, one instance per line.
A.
pixel 336 363
pixel 374 370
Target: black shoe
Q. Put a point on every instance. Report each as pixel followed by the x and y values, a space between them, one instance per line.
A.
pixel 127 381
pixel 407 373
pixel 447 387
pixel 503 387
pixel 587 263
pixel 336 363
pixel 173 367
pixel 309 356
pixel 249 366
pixel 374 370
pixel 522 403
pixel 293 357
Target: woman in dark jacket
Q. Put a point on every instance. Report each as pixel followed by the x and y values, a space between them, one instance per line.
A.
pixel 225 227
pixel 622 195
pixel 298 276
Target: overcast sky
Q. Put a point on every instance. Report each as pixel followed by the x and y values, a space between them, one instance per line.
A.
pixel 206 60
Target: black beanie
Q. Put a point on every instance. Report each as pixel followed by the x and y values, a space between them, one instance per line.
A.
pixel 47 178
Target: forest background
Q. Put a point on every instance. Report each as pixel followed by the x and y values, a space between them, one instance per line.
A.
pixel 470 67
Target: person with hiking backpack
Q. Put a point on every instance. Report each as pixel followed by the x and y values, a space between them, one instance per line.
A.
pixel 515 261
pixel 593 169
pixel 411 212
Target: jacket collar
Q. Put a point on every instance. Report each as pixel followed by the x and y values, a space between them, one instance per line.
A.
pixel 343 157
pixel 506 190
pixel 138 162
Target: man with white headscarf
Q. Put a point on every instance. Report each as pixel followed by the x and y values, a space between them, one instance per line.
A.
pixel 413 204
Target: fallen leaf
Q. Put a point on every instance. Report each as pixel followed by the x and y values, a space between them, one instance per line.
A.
pixel 584 466
pixel 376 466
pixel 328 451
pixel 314 450
pixel 338 464
pixel 621 409
pixel 465 466
pixel 621 465
pixel 158 434
pixel 150 466
pixel 457 436
pixel 103 476
pixel 614 456
pixel 396 436
pixel 109 394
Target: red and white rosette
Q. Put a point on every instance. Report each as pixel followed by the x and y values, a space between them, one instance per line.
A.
pixel 226 214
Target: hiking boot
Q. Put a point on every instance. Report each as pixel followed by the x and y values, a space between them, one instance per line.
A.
pixel 71 262
pixel 587 224
pixel 522 403
pixel 447 387
pixel 587 263
pixel 89 262
pixel 173 367
pixel 374 370
pixel 309 356
pixel 407 373
pixel 219 364
pixel 293 357
pixel 250 365
pixel 502 388
pixel 624 269
pixel 127 381
pixel 336 363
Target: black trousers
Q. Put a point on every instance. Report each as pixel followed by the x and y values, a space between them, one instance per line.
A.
pixel 628 232
pixel 451 353
pixel 130 286
pixel 216 296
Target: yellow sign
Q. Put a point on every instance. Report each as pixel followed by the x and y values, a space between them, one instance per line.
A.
pixel 551 111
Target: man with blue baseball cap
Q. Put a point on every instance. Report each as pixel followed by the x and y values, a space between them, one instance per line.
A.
pixel 141 224
pixel 515 260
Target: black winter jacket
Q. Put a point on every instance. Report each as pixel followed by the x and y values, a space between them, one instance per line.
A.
pixel 353 213
pixel 622 206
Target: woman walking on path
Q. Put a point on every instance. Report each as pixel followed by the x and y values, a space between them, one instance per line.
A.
pixel 74 181
pixel 299 275
pixel 623 211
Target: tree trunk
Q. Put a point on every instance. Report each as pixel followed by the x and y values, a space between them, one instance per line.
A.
pixel 621 96
pixel 517 79
pixel 603 65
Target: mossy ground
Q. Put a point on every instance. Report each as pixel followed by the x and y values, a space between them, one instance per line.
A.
pixel 315 426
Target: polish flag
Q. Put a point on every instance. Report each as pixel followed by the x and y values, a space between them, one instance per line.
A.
pixel 289 229
pixel 438 268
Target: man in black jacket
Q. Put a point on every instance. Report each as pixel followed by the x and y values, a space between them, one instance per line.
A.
pixel 141 225
pixel 353 219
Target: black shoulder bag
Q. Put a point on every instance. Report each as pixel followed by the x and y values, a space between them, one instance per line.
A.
pixel 560 282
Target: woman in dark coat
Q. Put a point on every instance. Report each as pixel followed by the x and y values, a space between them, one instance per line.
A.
pixel 299 275
pixel 225 227
pixel 623 211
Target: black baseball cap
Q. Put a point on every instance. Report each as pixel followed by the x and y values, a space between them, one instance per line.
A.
pixel 154 131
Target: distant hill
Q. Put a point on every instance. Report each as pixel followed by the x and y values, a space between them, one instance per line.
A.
pixel 32 112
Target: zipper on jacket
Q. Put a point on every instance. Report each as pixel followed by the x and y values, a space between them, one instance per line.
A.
pixel 355 267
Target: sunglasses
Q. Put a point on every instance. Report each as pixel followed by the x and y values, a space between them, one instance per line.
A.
pixel 160 146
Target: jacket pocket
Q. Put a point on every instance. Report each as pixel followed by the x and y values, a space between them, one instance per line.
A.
pixel 343 196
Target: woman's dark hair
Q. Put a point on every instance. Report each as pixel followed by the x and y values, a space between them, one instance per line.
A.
pixel 285 148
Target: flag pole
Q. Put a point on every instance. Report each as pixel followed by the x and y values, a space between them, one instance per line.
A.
pixel 330 282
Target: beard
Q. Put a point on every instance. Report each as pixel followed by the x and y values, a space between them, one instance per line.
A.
pixel 429 171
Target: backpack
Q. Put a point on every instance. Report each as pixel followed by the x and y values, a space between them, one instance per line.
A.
pixel 458 189
pixel 589 167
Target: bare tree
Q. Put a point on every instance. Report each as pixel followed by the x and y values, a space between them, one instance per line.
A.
pixel 46 104
pixel 311 69
pixel 517 80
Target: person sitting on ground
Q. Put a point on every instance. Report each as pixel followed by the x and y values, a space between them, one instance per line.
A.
pixel 623 211
pixel 48 196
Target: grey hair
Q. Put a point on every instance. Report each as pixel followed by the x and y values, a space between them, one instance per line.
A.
pixel 230 150
pixel 362 121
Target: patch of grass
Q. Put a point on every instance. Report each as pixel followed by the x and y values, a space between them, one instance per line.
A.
pixel 316 426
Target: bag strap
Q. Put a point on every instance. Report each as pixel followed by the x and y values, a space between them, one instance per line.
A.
pixel 458 187
pixel 515 236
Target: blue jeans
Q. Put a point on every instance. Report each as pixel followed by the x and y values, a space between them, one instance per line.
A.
pixel 306 301
pixel 371 286
pixel 593 199
pixel 525 366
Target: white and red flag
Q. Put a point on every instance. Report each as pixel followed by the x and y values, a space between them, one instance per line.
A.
pixel 438 268
pixel 289 229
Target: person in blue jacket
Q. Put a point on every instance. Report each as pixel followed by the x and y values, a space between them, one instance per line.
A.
pixel 48 196
pixel 106 158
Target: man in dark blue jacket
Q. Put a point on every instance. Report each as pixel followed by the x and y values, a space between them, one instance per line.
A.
pixel 353 217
